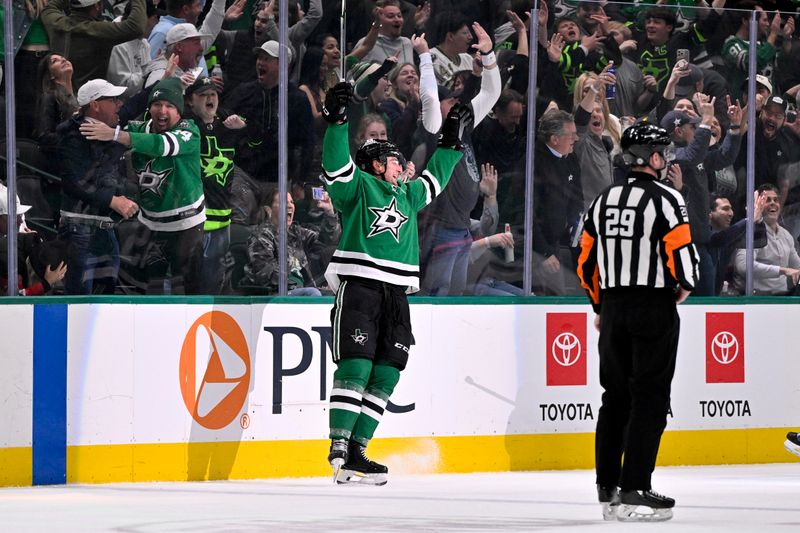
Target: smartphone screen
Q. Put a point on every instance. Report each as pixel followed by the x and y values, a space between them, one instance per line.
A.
pixel 683 54
pixel 318 193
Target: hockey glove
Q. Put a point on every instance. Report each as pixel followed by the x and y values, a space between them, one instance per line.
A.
pixel 336 101
pixel 458 119
pixel 388 64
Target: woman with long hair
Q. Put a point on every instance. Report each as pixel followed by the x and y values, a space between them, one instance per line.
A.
pixel 611 124
pixel 55 98
pixel 371 126
pixel 594 146
pixel 313 74
pixel 312 81
pixel 403 105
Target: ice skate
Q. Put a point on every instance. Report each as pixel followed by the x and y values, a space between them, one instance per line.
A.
pixel 360 469
pixel 337 456
pixel 792 443
pixel 644 506
pixel 609 500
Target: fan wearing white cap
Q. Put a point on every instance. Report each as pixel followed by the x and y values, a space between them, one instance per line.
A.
pixel 166 159
pixel 188 11
pixel 25 250
pixel 129 61
pixel 93 196
pixel 257 102
pixel 21 210
pixel 184 45
pixel 84 39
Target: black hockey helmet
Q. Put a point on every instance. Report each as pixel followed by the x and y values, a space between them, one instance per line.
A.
pixel 640 141
pixel 377 149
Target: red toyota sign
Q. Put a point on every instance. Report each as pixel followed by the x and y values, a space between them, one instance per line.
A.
pixel 566 349
pixel 724 347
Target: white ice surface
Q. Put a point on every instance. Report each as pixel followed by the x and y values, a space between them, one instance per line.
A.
pixel 758 498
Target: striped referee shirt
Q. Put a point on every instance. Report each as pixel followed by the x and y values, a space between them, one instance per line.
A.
pixel 637 234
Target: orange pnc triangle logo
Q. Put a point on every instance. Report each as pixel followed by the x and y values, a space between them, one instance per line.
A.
pixel 215 348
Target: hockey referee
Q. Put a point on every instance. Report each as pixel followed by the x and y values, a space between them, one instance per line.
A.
pixel 637 262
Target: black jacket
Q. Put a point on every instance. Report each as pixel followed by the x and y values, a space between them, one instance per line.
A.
pixel 92 172
pixel 259 155
pixel 557 198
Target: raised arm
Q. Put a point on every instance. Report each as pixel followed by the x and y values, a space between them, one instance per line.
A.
pixel 428 91
pixel 490 80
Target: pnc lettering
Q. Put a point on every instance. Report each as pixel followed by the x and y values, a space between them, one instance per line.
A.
pixel 307 355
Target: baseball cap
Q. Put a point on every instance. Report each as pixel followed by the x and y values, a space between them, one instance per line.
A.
pixel 676 119
pixel 182 31
pixel 4 202
pixel 201 85
pixel 687 84
pixel 447 92
pixel 271 48
pixel 361 70
pixel 778 101
pixel 82 3
pixel 760 80
pixel 763 80
pixel 94 89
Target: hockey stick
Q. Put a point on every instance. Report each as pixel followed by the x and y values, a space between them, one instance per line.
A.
pixel 342 42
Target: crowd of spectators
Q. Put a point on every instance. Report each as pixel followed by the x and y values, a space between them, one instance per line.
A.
pixel 149 134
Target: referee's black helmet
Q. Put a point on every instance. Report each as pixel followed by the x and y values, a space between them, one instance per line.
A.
pixel 640 141
pixel 377 149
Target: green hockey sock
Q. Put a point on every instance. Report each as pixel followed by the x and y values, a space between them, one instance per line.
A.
pixel 349 381
pixel 376 395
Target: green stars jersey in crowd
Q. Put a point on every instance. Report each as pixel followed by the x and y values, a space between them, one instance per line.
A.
pixel 168 167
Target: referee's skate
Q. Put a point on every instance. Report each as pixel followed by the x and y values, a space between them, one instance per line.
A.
pixel 792 443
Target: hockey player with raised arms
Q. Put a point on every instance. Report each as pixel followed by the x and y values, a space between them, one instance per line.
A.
pixel 375 265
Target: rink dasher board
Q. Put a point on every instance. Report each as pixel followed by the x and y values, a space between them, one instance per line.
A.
pixel 204 391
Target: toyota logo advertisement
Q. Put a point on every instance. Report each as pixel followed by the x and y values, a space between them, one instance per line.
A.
pixel 568 353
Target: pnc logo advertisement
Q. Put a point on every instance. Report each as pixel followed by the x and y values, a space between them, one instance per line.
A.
pixel 566 349
pixel 214 370
pixel 724 347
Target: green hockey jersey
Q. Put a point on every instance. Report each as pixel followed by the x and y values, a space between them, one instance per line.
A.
pixel 379 220
pixel 736 54
pixel 168 167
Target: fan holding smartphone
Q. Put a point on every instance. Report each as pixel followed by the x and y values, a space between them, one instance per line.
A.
pixel 682 58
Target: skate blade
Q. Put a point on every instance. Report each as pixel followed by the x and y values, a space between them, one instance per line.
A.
pixel 791 447
pixel 337 467
pixel 630 513
pixel 609 511
pixel 351 477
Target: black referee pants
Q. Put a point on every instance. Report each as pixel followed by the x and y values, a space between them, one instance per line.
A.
pixel 638 344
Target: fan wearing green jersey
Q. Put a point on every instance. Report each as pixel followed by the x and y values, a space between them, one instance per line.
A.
pixel 375 265
pixel 166 159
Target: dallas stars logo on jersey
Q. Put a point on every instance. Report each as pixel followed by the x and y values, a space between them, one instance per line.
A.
pixel 151 181
pixel 216 162
pixel 387 218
